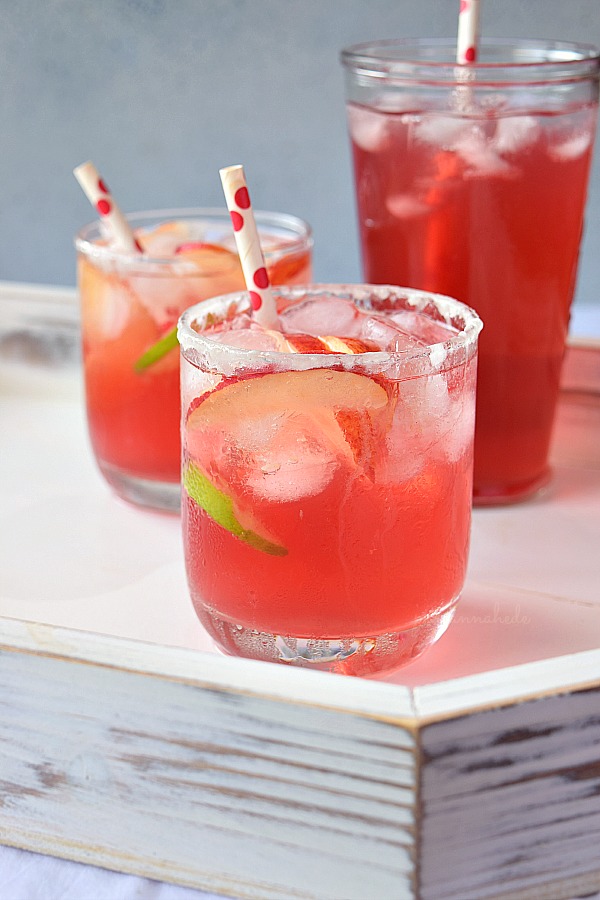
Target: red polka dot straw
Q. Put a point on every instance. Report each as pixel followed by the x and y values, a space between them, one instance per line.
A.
pixel 468 31
pixel 95 189
pixel 248 245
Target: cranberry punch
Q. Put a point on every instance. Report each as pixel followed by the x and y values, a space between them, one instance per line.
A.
pixel 130 303
pixel 471 181
pixel 327 472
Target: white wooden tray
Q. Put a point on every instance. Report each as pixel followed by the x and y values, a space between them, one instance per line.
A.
pixel 127 741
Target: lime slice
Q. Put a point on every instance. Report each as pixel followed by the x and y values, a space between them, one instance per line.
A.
pixel 156 352
pixel 219 507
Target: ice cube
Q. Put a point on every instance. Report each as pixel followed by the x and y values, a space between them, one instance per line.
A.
pixel 292 459
pixel 456 431
pixel 195 274
pixel 443 424
pixel 435 395
pixel 398 463
pixel 515 133
pixel 164 297
pixel 478 151
pixel 368 128
pixel 576 145
pixel 406 206
pixel 423 402
pixel 387 334
pixel 322 315
pixel 422 327
pixel 251 337
pixel 441 131
pixel 106 304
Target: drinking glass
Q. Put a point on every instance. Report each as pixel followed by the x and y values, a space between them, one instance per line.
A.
pixel 130 304
pixel 471 181
pixel 327 494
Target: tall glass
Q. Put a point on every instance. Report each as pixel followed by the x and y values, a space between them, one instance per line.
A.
pixel 472 181
pixel 129 310
pixel 327 494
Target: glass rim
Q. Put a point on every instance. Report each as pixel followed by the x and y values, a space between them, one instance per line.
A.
pixel 85 244
pixel 450 308
pixel 435 59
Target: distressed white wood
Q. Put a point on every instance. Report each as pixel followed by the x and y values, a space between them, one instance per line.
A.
pixel 502 687
pixel 126 740
pixel 190 781
pixel 511 799
pixel 210 670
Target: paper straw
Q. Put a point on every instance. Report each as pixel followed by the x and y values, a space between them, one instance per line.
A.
pixel 248 245
pixel 468 32
pixel 95 189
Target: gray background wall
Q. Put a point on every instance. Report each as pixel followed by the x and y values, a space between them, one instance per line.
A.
pixel 161 93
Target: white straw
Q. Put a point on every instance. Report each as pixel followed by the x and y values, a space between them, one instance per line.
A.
pixel 468 32
pixel 248 245
pixel 95 189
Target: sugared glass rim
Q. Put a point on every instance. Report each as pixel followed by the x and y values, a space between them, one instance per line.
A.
pixel 450 310
pixel 500 60
pixel 86 237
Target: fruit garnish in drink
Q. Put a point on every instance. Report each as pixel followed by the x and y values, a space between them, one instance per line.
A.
pixel 161 240
pixel 306 343
pixel 347 344
pixel 152 355
pixel 286 269
pixel 212 262
pixel 211 259
pixel 279 437
pixel 220 508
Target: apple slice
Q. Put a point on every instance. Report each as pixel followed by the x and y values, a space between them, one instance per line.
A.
pixel 362 437
pixel 160 241
pixel 298 342
pixel 289 269
pixel 282 437
pixel 311 391
pixel 304 343
pixel 349 344
pixel 211 259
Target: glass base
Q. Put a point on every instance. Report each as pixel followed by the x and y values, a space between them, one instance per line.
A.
pixel 503 495
pixel 163 496
pixel 362 656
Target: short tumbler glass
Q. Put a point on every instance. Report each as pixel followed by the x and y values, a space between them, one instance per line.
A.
pixel 327 497
pixel 129 310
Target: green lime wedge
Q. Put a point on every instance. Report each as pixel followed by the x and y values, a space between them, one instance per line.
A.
pixel 220 508
pixel 157 350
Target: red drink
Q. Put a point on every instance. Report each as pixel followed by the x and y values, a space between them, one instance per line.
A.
pixel 481 195
pixel 327 514
pixel 129 304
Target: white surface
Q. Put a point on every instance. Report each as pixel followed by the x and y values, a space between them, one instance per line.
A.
pixel 107 567
pixel 31 876
pixel 124 594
